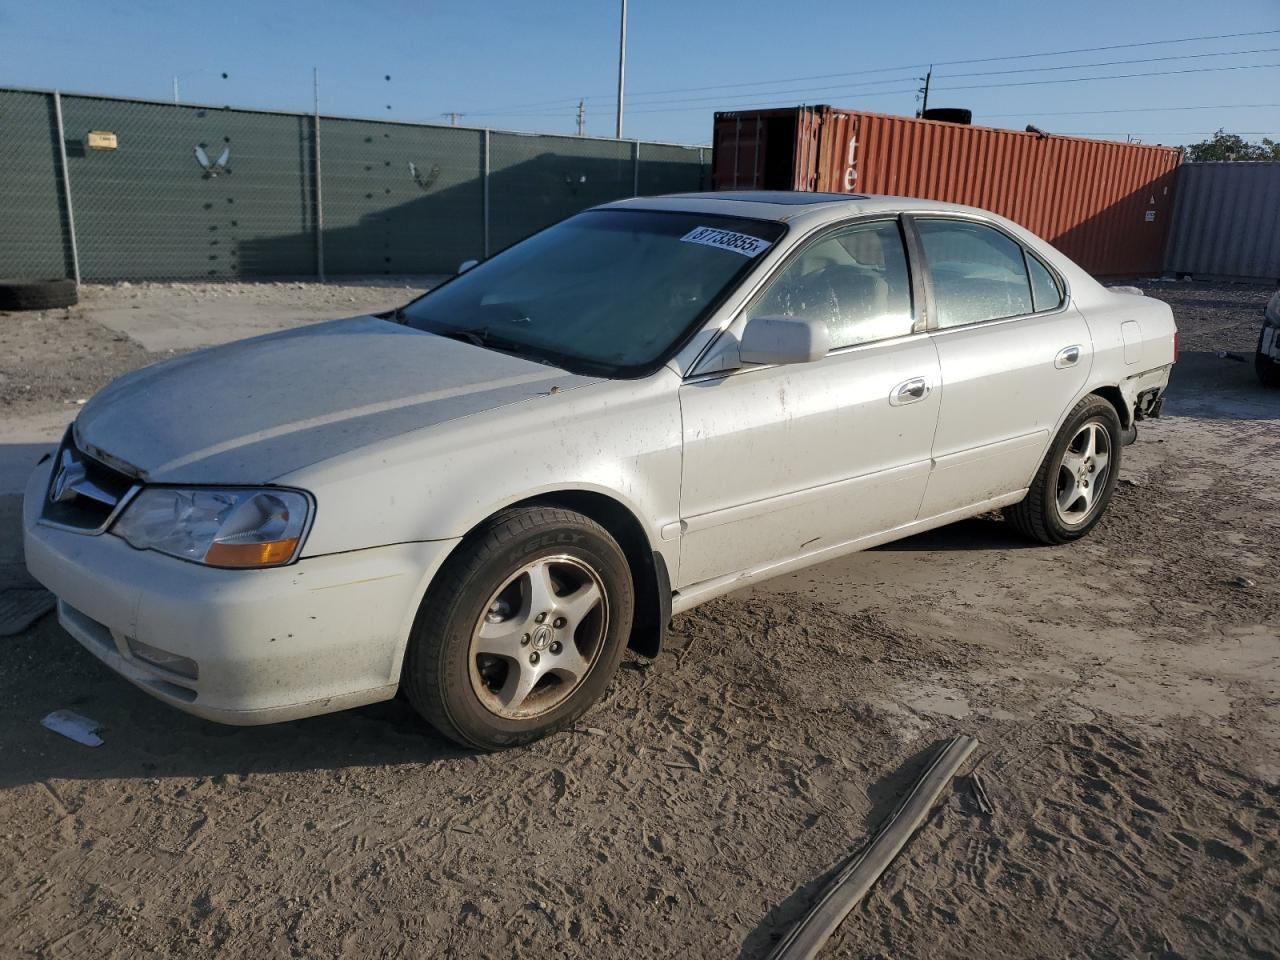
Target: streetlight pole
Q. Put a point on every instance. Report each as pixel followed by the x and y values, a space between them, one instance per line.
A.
pixel 622 63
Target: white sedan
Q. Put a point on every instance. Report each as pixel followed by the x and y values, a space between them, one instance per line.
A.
pixel 484 497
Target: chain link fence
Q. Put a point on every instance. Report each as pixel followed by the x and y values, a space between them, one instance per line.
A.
pixel 168 191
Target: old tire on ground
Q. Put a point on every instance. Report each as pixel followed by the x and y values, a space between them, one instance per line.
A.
pixel 1268 369
pixel 37 294
pixel 1075 481
pixel 522 629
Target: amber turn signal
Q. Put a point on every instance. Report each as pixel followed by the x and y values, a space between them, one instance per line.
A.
pixel 251 554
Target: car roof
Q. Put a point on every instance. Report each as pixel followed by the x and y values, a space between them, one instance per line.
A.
pixel 784 206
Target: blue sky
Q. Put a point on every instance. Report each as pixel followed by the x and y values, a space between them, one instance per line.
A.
pixel 523 65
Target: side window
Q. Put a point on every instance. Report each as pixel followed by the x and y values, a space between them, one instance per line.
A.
pixel 1044 285
pixel 855 281
pixel 978 273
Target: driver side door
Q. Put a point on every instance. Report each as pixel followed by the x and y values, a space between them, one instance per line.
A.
pixel 784 461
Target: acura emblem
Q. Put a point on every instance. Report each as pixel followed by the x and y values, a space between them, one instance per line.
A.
pixel 70 472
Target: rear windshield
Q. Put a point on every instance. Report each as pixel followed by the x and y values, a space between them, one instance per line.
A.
pixel 607 291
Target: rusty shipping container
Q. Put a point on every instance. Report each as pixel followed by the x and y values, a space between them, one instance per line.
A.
pixel 1106 205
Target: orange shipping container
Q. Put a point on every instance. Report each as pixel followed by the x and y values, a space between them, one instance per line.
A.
pixel 1106 205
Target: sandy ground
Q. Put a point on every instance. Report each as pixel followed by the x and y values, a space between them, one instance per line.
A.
pixel 1125 690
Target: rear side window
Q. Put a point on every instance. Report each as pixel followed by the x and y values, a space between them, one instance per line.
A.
pixel 855 281
pixel 1044 285
pixel 978 273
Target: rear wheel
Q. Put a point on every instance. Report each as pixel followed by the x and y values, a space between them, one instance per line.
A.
pixel 523 629
pixel 1075 482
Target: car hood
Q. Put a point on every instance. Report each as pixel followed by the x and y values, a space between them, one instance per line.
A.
pixel 254 410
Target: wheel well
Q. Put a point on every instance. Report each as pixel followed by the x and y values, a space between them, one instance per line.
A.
pixel 648 570
pixel 1113 396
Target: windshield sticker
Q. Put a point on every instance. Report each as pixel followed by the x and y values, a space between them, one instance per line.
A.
pixel 742 243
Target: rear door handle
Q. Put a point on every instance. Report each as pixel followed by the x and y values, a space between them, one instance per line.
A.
pixel 1067 357
pixel 909 391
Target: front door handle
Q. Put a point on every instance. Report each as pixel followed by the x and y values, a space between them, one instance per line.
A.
pixel 1067 357
pixel 909 391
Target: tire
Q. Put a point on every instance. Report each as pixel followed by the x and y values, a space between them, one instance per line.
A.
pixel 1268 370
pixel 37 294
pixel 1041 515
pixel 480 622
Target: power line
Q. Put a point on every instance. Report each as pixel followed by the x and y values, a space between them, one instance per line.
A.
pixel 768 103
pixel 1114 63
pixel 1117 76
pixel 1114 46
pixel 908 66
pixel 859 89
pixel 774 95
pixel 1082 113
pixel 870 83
pixel 740 96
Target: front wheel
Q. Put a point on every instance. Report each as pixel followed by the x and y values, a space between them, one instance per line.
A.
pixel 522 630
pixel 1073 486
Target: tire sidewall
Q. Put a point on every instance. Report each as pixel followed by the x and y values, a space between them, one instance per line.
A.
pixel 1105 415
pixel 452 647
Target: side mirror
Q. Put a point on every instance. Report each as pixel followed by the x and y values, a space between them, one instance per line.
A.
pixel 466 265
pixel 781 340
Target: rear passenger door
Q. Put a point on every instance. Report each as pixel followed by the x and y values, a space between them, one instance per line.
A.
pixel 1013 355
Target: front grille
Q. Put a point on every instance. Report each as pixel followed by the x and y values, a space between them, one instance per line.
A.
pixel 84 494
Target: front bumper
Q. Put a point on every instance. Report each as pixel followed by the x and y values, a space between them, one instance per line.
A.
pixel 319 635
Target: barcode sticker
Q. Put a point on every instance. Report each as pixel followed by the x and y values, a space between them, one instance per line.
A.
pixel 742 243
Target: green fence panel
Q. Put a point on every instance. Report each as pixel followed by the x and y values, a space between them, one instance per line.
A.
pixel 400 198
pixel 34 240
pixel 190 192
pixel 672 169
pixel 199 192
pixel 536 180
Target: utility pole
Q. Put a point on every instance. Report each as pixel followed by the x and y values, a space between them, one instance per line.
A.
pixel 924 91
pixel 315 94
pixel 453 118
pixel 582 118
pixel 622 64
pixel 175 88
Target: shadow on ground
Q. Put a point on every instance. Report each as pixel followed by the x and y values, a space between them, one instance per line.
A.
pixel 44 669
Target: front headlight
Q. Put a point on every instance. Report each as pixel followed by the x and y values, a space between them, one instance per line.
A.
pixel 220 527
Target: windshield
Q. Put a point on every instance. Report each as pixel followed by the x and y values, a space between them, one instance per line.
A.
pixel 609 291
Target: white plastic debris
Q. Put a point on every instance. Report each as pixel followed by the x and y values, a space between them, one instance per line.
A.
pixel 74 727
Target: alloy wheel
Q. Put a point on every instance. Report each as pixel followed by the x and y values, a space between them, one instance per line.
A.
pixel 539 637
pixel 1082 475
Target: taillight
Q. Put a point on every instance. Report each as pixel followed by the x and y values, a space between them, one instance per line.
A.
pixel 1175 346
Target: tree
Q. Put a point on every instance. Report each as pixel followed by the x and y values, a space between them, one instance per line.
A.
pixel 1230 146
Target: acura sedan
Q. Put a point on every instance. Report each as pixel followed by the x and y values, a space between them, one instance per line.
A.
pixel 483 498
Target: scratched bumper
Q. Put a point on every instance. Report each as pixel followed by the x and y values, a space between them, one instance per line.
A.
pixel 236 646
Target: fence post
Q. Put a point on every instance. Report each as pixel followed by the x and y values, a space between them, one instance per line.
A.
pixel 315 124
pixel 485 177
pixel 66 186
pixel 635 168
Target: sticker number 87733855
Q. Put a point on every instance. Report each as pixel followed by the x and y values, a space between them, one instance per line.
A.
pixel 742 243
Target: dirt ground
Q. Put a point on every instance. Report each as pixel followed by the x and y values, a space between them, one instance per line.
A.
pixel 1125 691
